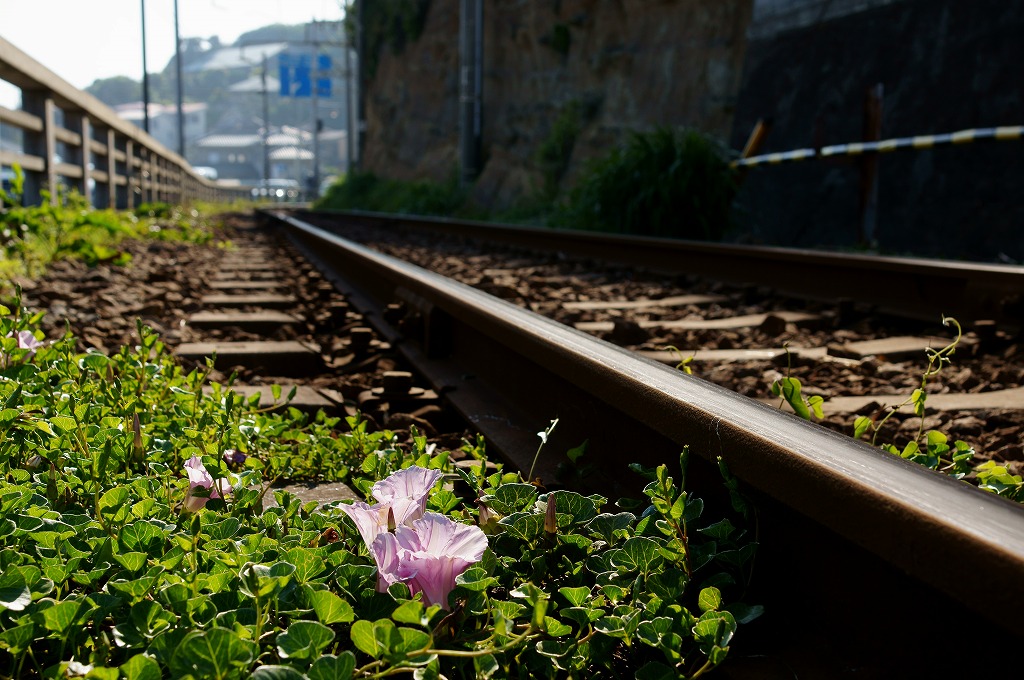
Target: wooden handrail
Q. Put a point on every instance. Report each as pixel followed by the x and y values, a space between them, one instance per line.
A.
pixel 131 167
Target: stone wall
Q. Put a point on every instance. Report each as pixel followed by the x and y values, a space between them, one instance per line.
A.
pixel 945 65
pixel 620 65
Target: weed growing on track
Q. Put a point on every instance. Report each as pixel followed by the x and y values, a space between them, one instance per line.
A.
pixel 32 237
pixel 931 448
pixel 936 453
pixel 117 558
pixel 791 391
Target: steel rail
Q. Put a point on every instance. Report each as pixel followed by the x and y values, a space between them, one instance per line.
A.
pixel 473 346
pixel 914 288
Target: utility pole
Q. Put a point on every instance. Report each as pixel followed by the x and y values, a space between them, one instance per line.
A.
pixel 315 77
pixel 266 124
pixel 360 126
pixel 315 189
pixel 264 130
pixel 350 129
pixel 470 87
pixel 145 74
pixel 181 85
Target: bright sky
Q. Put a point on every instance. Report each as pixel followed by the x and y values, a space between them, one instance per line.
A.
pixel 82 40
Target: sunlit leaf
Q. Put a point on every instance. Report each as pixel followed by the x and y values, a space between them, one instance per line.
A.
pixel 304 640
pixel 212 653
pixel 330 608
pixel 576 596
pixel 509 498
pixel 14 591
pixel 277 673
pixel 710 599
pixel 638 554
pixel 329 667
pixel 17 639
pixel 141 667
pixel 61 616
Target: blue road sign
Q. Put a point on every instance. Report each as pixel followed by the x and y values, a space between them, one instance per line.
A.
pixel 296 75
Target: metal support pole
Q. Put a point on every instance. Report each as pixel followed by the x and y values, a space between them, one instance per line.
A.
pixel 266 124
pixel 181 85
pixel 360 99
pixel 349 127
pixel 315 188
pixel 145 74
pixel 470 87
pixel 869 167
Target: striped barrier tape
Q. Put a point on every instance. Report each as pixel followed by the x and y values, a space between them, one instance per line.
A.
pixel 1004 133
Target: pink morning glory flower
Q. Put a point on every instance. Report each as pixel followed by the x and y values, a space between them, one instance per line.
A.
pixel 27 340
pixel 371 520
pixel 432 553
pixel 402 498
pixel 406 491
pixel 385 553
pixel 200 478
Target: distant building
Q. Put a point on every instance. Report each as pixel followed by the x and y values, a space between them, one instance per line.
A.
pixel 240 156
pixel 163 121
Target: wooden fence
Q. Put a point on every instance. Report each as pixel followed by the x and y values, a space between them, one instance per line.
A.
pixel 72 139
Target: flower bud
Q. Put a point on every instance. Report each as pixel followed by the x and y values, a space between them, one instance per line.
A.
pixel 234 457
pixel 550 517
pixel 137 450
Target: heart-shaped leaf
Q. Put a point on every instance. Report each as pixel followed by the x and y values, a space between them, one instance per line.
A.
pixel 304 640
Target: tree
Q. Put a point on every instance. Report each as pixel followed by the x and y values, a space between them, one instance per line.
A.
pixel 116 90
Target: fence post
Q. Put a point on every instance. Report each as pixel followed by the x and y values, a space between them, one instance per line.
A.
pixel 112 169
pixel 78 121
pixel 42 144
pixel 754 143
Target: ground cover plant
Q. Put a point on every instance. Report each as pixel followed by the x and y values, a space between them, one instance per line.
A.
pixel 33 236
pixel 134 543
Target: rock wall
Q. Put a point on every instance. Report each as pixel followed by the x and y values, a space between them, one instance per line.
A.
pixel 945 65
pixel 601 67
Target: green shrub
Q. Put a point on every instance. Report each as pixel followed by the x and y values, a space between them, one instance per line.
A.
pixel 31 237
pixel 671 183
pixel 155 209
pixel 554 153
pixel 366 191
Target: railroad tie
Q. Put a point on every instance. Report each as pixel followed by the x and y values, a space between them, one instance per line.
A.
pixel 674 301
pixel 265 300
pixel 727 323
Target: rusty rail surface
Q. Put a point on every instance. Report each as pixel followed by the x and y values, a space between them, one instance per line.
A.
pixel 909 287
pixel 72 139
pixel 511 371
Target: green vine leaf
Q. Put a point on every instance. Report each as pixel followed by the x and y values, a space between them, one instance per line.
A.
pixel 710 599
pixel 330 667
pixel 14 591
pixel 213 653
pixel 304 640
pixel 330 608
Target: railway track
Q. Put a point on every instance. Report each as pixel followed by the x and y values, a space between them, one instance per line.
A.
pixel 862 556
pixel 858 355
pixel 870 545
